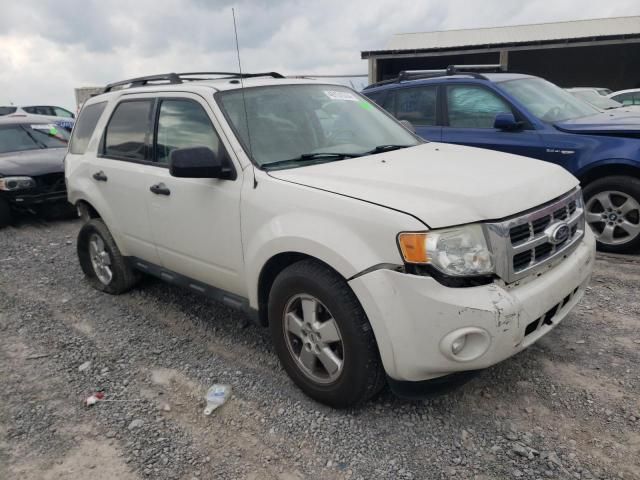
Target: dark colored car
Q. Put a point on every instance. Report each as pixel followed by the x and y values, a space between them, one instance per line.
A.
pixel 530 116
pixel 32 168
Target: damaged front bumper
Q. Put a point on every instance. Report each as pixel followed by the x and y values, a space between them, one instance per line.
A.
pixel 425 330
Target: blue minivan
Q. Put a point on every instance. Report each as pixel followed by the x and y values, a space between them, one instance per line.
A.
pixel 530 116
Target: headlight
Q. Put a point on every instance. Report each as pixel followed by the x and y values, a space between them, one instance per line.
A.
pixel 459 251
pixel 16 183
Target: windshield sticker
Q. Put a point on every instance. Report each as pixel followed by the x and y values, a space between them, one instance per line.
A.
pixel 43 126
pixel 335 95
pixel 365 105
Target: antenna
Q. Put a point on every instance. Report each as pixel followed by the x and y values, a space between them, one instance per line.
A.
pixel 244 102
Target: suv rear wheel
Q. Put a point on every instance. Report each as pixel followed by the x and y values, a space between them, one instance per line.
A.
pixel 612 206
pixel 101 260
pixel 322 336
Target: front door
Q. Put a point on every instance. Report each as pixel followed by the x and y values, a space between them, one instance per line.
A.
pixel 470 114
pixel 195 221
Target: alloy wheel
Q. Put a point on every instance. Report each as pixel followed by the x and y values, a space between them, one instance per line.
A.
pixel 100 259
pixel 313 338
pixel 614 217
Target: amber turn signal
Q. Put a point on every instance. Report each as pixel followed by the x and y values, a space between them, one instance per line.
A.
pixel 414 247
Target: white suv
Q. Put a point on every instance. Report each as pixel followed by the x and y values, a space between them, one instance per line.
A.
pixel 372 256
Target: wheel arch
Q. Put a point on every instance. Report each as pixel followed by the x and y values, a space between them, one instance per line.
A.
pixel 609 169
pixel 86 210
pixel 271 269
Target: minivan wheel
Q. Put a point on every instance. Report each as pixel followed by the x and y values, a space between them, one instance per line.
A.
pixel 612 209
pixel 322 336
pixel 5 213
pixel 101 260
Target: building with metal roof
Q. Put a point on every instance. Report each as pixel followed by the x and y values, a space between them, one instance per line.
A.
pixel 601 52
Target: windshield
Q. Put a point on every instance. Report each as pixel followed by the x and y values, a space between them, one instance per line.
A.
pixel 596 99
pixel 310 122
pixel 18 137
pixel 547 101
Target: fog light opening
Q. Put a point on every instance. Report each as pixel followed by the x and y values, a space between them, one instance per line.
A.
pixel 458 344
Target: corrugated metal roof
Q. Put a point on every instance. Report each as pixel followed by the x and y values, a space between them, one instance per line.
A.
pixel 542 32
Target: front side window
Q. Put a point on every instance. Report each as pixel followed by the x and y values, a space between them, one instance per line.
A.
pixel 309 122
pixel 61 112
pixel 129 133
pixel 547 101
pixel 628 99
pixel 417 105
pixel 7 110
pixel 85 126
pixel 183 124
pixel 19 137
pixel 471 106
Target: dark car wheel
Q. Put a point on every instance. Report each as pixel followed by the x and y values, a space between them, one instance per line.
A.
pixel 612 207
pixel 322 336
pixel 5 213
pixel 101 260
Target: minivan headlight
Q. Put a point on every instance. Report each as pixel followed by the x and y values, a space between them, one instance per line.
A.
pixel 459 251
pixel 9 184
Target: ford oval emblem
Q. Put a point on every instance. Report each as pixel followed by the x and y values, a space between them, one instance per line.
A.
pixel 558 233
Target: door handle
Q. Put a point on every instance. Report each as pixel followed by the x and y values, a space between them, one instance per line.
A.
pixel 100 176
pixel 160 189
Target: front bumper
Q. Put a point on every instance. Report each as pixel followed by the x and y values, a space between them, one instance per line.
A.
pixel 27 199
pixel 416 319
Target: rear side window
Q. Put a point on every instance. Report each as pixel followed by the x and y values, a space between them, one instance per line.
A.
pixel 85 126
pixel 7 110
pixel 470 106
pixel 129 133
pixel 628 98
pixel 417 105
pixel 183 124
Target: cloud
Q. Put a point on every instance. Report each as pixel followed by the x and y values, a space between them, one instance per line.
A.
pixel 48 48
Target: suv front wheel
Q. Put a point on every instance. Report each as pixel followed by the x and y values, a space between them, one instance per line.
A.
pixel 101 260
pixel 322 336
pixel 612 209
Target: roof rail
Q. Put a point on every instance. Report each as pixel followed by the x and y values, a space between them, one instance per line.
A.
pixel 175 78
pixel 451 70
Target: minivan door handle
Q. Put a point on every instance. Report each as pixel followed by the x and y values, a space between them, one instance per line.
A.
pixel 100 176
pixel 160 189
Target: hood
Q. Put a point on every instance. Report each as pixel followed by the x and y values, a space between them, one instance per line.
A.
pixel 32 162
pixel 440 184
pixel 619 121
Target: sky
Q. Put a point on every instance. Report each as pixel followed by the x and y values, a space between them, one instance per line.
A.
pixel 47 48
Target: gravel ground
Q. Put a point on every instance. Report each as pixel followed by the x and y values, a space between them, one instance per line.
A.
pixel 566 408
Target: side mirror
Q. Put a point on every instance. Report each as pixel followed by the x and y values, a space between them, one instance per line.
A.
pixel 506 121
pixel 408 125
pixel 195 162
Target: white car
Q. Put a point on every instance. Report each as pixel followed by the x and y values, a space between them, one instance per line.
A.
pixel 599 90
pixel 592 97
pixel 626 97
pixel 372 256
pixel 60 116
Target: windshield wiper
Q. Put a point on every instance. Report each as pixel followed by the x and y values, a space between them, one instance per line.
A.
pixel 386 148
pixel 306 157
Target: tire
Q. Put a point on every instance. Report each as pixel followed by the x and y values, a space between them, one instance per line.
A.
pixel 121 278
pixel 612 207
pixel 5 214
pixel 361 375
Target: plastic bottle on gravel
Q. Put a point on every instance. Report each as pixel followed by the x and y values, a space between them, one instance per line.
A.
pixel 216 396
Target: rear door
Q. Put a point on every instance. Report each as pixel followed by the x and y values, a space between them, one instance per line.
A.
pixel 121 174
pixel 470 111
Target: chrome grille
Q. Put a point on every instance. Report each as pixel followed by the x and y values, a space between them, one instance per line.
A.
pixel 524 244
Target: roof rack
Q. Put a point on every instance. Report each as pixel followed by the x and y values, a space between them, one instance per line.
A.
pixel 451 70
pixel 175 78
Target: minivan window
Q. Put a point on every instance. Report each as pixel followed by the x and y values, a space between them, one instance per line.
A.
pixel 319 122
pixel 182 124
pixel 128 135
pixel 85 126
